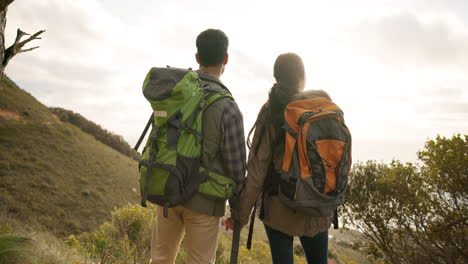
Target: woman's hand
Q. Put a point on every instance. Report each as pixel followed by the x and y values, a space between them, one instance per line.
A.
pixel 229 223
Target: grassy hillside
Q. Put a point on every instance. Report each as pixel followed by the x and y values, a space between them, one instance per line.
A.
pixel 103 135
pixel 54 175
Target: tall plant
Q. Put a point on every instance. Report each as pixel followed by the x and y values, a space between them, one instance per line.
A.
pixel 414 213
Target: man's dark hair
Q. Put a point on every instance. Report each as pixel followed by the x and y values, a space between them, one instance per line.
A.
pixel 212 45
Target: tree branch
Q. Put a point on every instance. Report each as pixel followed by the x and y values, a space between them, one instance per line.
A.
pixel 19 35
pixel 4 4
pixel 445 227
pixel 18 45
pixel 25 50
pixel 33 37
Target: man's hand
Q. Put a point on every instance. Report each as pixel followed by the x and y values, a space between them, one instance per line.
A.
pixel 229 224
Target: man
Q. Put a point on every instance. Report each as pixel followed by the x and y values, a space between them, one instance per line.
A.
pixel 223 150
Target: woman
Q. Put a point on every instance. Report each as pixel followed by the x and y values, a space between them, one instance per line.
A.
pixel 266 153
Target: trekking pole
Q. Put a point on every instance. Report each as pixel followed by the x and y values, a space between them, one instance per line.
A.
pixel 335 219
pixel 144 132
pixel 251 227
pixel 235 242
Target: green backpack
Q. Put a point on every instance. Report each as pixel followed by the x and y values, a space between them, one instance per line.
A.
pixel 170 165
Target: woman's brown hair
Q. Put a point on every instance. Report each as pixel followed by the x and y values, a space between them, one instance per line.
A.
pixel 290 76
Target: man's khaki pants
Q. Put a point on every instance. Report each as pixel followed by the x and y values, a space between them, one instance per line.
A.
pixel 201 236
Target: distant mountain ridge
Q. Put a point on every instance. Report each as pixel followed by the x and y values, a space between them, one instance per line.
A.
pixel 52 174
pixel 112 140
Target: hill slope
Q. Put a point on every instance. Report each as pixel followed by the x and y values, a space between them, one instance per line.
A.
pixel 52 174
pixel 101 134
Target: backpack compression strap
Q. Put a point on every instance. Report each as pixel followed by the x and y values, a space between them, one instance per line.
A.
pixel 292 116
pixel 143 134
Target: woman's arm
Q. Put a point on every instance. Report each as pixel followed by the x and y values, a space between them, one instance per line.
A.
pixel 260 156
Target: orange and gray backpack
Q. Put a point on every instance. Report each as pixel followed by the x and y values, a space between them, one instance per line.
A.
pixel 316 161
pixel 317 157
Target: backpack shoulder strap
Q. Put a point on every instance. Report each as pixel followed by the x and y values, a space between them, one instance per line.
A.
pixel 213 88
pixel 211 83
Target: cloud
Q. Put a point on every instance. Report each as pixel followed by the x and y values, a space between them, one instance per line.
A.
pixel 53 68
pixel 68 23
pixel 444 93
pixel 447 108
pixel 404 39
pixel 249 66
pixel 95 54
pixel 385 150
pixel 459 8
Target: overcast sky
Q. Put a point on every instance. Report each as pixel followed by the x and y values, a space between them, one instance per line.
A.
pixel 398 69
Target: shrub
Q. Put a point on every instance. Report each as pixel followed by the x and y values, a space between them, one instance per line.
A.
pixel 124 240
pixel 414 213
pixel 127 239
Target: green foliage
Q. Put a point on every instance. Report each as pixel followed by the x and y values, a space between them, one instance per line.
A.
pixel 110 139
pixel 127 239
pixel 42 248
pixel 47 248
pixel 5 228
pixel 33 247
pixel 223 251
pixel 12 248
pixel 124 240
pixel 446 172
pixel 260 253
pixel 414 213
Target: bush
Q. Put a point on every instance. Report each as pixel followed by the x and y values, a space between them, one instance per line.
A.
pixel 124 240
pixel 127 239
pixel 414 213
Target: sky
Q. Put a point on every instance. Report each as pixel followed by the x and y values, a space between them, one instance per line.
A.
pixel 398 69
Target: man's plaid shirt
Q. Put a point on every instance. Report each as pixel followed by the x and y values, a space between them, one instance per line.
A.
pixel 233 145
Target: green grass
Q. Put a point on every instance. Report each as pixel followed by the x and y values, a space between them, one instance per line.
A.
pixel 26 247
pixel 13 248
pixel 53 175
